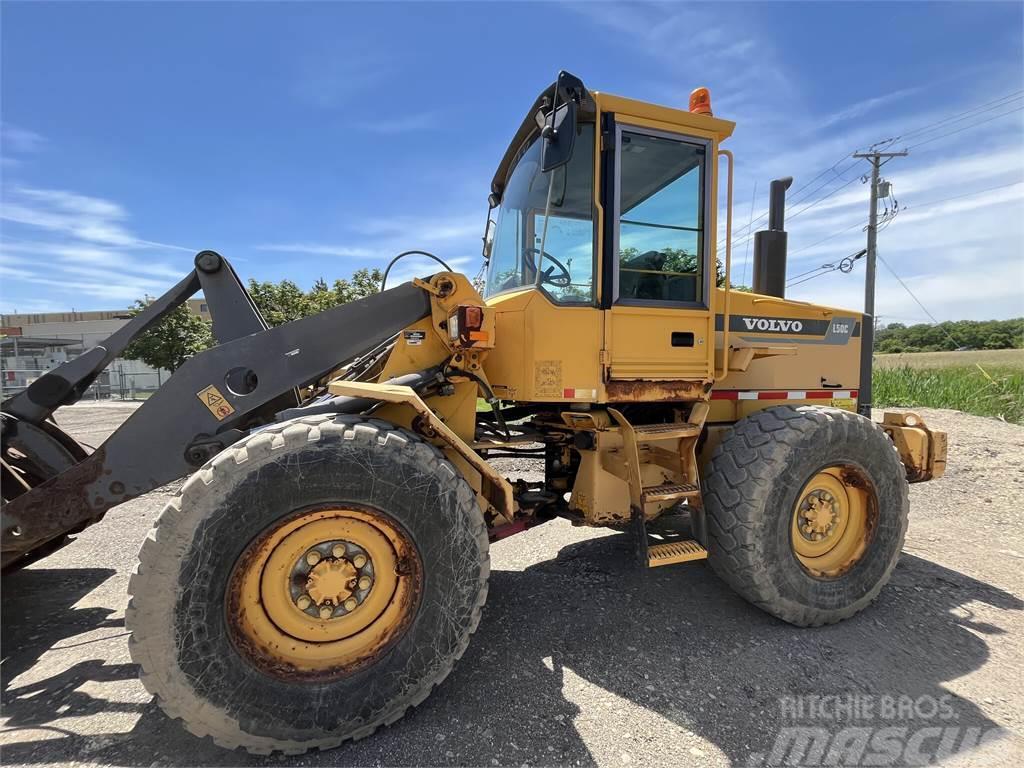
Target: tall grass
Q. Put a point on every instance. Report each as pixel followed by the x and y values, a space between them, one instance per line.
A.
pixel 961 388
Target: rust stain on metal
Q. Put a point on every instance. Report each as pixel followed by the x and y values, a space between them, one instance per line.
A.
pixel 261 655
pixel 55 507
pixel 637 390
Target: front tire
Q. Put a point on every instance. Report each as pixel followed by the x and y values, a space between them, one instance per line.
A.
pixel 807 512
pixel 308 585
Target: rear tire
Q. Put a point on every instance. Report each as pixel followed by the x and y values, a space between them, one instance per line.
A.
pixel 223 678
pixel 763 486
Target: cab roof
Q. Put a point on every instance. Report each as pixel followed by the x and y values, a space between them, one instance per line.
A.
pixel 592 102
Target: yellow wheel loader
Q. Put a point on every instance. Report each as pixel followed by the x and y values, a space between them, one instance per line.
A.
pixel 326 561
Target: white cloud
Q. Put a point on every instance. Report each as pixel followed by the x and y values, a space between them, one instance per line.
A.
pixel 79 248
pixel 17 140
pixel 318 249
pixel 424 230
pixel 89 219
pixel 399 124
pixel 861 108
pixel 374 242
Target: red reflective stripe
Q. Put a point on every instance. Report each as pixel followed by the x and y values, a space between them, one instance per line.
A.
pixel 724 394
pixel 773 395
pixel 570 393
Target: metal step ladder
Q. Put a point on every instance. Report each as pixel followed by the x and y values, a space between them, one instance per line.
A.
pixel 683 551
pixel 678 438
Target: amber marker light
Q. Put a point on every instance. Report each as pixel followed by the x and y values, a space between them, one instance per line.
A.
pixel 700 101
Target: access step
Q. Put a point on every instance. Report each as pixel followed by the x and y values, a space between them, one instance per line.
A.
pixel 670 492
pixel 674 552
pixel 652 433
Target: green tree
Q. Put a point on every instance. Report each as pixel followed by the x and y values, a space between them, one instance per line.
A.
pixel 182 334
pixel 168 344
pixel 983 334
pixel 284 301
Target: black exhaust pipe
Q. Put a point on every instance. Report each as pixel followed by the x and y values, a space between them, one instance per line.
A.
pixel 770 244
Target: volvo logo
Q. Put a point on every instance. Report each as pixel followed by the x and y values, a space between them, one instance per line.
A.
pixel 773 324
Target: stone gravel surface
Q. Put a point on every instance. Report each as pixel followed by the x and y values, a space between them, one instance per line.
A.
pixel 581 659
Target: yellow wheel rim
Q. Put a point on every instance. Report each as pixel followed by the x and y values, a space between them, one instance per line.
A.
pixel 323 592
pixel 833 521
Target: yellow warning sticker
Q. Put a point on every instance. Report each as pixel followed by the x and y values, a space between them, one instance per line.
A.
pixel 216 402
pixel 846 403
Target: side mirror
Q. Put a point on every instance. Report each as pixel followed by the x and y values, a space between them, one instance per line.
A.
pixel 488 238
pixel 559 137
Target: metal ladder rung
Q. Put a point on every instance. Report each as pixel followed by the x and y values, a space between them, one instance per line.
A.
pixel 675 552
pixel 650 433
pixel 670 492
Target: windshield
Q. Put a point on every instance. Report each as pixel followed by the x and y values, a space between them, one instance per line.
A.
pixel 559 256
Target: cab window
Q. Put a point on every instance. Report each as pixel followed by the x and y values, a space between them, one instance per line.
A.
pixel 661 219
pixel 558 257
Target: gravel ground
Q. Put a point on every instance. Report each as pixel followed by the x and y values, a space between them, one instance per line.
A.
pixel 583 660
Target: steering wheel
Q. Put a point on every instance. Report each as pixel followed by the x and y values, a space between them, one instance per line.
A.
pixel 561 280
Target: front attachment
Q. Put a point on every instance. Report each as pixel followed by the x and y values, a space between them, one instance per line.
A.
pixel 210 402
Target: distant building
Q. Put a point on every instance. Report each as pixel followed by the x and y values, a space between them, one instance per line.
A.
pixel 32 344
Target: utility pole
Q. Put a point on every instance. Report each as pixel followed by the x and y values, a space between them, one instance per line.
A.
pixel 877 160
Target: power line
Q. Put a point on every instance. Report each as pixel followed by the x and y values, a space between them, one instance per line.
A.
pixel 746 233
pixel 966 127
pixel 746 254
pixel 794 199
pixel 967 194
pixel 960 116
pixel 844 265
pixel 826 197
pixel 920 304
pixel 910 207
pixel 743 238
pixel 834 234
pixel 932 317
pixel 821 199
pixel 750 235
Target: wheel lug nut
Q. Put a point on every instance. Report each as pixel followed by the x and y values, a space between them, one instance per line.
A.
pixel 303 602
pixel 351 603
pixel 312 557
pixel 338 550
pixel 326 611
pixel 359 561
pixel 365 582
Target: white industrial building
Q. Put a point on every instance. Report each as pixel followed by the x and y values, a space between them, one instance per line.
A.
pixel 32 344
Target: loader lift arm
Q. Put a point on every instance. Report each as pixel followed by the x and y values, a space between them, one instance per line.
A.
pixel 210 402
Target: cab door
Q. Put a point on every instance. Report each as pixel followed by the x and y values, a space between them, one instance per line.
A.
pixel 660 325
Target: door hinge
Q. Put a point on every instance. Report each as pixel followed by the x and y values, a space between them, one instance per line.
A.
pixel 605 358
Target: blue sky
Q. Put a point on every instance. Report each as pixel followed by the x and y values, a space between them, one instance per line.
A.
pixel 308 140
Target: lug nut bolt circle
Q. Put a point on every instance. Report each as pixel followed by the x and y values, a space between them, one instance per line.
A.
pixel 304 571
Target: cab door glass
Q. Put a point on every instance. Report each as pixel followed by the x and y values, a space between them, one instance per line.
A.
pixel 573 239
pixel 661 219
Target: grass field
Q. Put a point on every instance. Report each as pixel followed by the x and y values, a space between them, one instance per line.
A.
pixel 1000 358
pixel 954 380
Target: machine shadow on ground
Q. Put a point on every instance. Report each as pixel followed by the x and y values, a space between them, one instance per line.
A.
pixel 674 642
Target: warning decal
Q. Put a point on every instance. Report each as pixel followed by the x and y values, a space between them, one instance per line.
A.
pixel 414 338
pixel 216 402
pixel 547 378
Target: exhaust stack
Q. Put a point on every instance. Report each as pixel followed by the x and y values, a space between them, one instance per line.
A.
pixel 770 244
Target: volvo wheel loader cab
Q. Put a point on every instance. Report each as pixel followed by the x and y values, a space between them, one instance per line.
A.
pixel 326 562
